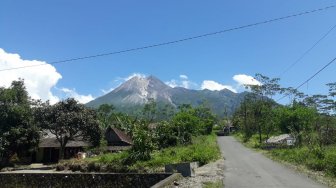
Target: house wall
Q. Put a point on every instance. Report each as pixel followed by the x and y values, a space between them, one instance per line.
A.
pixel 39 155
pixel 46 155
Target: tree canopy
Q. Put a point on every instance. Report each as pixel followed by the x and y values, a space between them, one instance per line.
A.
pixel 69 120
pixel 18 133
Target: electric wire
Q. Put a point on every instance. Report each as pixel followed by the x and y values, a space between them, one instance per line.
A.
pixel 307 51
pixel 311 77
pixel 175 41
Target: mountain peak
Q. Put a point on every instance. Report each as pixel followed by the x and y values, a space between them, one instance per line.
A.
pixel 137 91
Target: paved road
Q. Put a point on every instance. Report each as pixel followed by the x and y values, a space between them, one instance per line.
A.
pixel 247 168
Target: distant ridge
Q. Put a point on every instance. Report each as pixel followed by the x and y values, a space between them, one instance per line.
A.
pixel 137 91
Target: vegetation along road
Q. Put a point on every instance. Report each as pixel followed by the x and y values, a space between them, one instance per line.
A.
pixel 247 168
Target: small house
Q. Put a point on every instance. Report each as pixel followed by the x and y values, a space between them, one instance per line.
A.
pixel 117 140
pixel 49 148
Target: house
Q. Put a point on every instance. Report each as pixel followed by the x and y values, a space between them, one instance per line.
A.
pixel 117 140
pixel 48 150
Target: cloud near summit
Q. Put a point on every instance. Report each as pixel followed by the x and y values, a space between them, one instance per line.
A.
pixel 212 85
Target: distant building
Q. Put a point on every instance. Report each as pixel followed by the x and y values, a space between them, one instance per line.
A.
pixel 117 140
pixel 49 148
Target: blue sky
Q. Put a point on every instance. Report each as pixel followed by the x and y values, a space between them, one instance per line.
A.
pixel 50 31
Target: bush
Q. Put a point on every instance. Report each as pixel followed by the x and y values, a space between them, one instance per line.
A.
pixel 330 160
pixel 94 167
pixel 315 159
pixel 204 149
pixel 316 164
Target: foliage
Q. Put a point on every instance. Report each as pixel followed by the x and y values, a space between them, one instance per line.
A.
pixel 216 184
pixel 69 120
pixel 309 119
pixel 149 111
pixel 18 133
pixel 192 121
pixel 316 160
pixel 143 143
pixel 104 112
pixel 166 135
pixel 203 149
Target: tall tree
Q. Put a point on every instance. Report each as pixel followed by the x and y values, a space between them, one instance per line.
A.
pixel 69 120
pixel 104 113
pixel 18 133
pixel 150 110
pixel 263 92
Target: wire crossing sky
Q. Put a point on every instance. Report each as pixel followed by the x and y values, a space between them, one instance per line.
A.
pixel 187 39
pixel 293 39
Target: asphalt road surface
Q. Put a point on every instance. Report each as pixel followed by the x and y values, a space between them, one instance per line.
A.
pixel 247 168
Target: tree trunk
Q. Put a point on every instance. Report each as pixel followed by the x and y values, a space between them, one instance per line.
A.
pixel 63 143
pixel 61 154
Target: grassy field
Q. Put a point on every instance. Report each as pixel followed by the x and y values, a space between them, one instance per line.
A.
pixel 203 149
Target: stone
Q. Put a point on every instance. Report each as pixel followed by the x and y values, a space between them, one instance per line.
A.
pixel 186 169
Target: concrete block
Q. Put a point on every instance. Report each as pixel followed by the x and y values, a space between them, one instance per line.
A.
pixel 186 169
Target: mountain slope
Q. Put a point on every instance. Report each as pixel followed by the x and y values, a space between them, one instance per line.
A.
pixel 136 92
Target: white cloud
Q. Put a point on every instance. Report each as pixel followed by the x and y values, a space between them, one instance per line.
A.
pixel 172 83
pixel 38 80
pixel 133 75
pixel 71 93
pixel 182 76
pixel 243 79
pixel 182 82
pixel 212 85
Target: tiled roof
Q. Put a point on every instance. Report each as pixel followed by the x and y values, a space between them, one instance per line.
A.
pixel 48 140
pixel 53 143
pixel 123 136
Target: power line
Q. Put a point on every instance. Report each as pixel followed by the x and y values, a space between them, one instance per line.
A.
pixel 310 78
pixel 307 51
pixel 176 41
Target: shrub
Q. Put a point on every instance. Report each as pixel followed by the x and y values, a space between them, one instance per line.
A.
pixel 330 160
pixel 94 167
pixel 315 164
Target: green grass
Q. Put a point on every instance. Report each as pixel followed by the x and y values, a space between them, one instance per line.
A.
pixel 253 142
pixel 203 149
pixel 216 184
pixel 314 159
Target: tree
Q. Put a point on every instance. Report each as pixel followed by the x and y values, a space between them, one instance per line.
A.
pixel 263 92
pixel 69 120
pixel 143 142
pixel 167 112
pixel 18 133
pixel 295 120
pixel 166 134
pixel 206 119
pixel 186 124
pixel 150 109
pixel 104 112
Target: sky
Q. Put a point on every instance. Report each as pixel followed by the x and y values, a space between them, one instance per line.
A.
pixel 35 32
